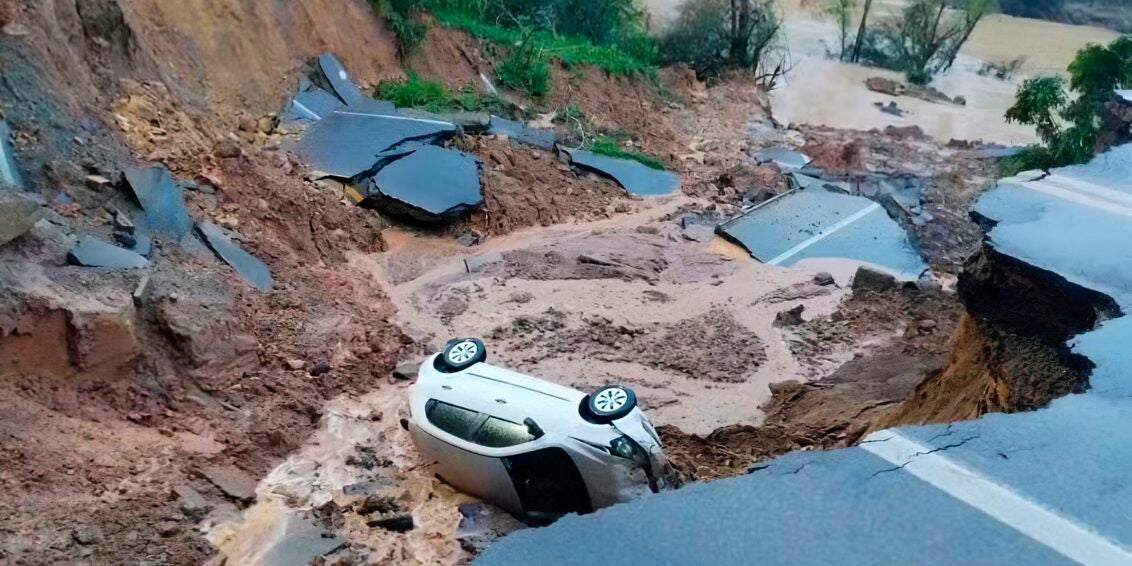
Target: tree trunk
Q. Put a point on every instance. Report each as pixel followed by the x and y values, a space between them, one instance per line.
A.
pixel 734 53
pixel 861 32
pixel 746 27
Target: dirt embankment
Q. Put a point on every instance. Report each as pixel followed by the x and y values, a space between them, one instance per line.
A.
pixel 1009 353
pixel 119 387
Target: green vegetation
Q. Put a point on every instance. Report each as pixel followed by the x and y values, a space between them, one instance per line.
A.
pixel 611 147
pixel 713 35
pixel 415 92
pixel 525 70
pixel 402 18
pixel 1069 127
pixel 569 50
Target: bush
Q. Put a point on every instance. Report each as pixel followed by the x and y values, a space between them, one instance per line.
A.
pixel 401 15
pixel 415 92
pixel 1069 127
pixel 525 70
pixel 711 35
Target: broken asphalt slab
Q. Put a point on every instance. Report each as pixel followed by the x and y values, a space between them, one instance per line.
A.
pixel 250 268
pixel 786 159
pixel 312 103
pixel 519 132
pixel 635 177
pixel 18 214
pixel 9 171
pixel 347 145
pixel 432 183
pixel 163 206
pixel 339 80
pixel 92 252
pixel 817 223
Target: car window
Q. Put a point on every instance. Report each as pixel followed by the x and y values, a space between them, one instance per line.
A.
pixel 454 420
pixel 498 433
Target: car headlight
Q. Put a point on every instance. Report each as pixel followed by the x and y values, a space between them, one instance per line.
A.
pixel 627 448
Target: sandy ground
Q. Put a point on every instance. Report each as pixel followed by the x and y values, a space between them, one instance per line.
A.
pixel 445 301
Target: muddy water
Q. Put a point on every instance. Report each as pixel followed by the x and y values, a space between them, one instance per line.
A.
pixel 822 91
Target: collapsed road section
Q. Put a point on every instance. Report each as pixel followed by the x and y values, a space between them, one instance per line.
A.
pixel 978 491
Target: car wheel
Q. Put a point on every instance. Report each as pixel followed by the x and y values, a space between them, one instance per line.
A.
pixel 463 353
pixel 611 402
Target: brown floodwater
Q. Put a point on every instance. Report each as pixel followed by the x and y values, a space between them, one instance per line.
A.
pixel 819 90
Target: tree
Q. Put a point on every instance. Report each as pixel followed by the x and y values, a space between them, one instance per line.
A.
pixel 841 11
pixel 861 32
pixel 711 35
pixel 926 38
pixel 1070 127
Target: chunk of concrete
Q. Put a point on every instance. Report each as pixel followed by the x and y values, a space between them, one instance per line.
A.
pixel 786 159
pixel 519 132
pixel 234 482
pixel 789 317
pixel 346 145
pixel 635 177
pixel 18 214
pixel 431 184
pixel 246 265
pixel 869 279
pixel 92 252
pixel 163 206
pixel 406 370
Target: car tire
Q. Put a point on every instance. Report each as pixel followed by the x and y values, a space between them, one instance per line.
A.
pixel 463 353
pixel 611 402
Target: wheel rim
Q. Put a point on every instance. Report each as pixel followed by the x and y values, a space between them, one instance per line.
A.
pixel 611 400
pixel 463 352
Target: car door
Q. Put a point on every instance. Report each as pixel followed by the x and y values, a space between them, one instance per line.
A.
pixel 456 462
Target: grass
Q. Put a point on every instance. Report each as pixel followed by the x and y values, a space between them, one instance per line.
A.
pixel 415 92
pixel 609 146
pixel 570 51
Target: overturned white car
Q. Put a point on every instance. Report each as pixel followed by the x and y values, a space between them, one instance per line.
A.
pixel 537 449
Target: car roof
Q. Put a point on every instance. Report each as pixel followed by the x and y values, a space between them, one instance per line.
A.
pixel 506 394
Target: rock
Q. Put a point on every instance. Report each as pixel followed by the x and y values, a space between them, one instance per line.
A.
pixel 378 504
pixel 123 223
pixel 790 317
pixel 267 124
pixel 295 364
pixel 868 279
pixel 647 229
pixel 320 368
pixel 482 262
pixel 595 260
pixel 885 86
pixel 234 482
pixel 168 528
pixel 824 279
pixel 125 239
pixel 18 214
pixel 97 182
pixel 927 325
pixel 141 291
pixel 85 535
pixel 785 387
pixel 929 286
pixel 400 523
pixel 191 502
pixel 406 370
pixel 470 238
pixel 227 149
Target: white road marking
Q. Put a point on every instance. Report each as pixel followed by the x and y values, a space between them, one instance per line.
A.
pixel 1077 191
pixel 438 122
pixel 823 234
pixel 300 106
pixel 1067 536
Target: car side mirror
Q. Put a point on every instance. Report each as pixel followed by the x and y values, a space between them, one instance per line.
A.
pixel 533 428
